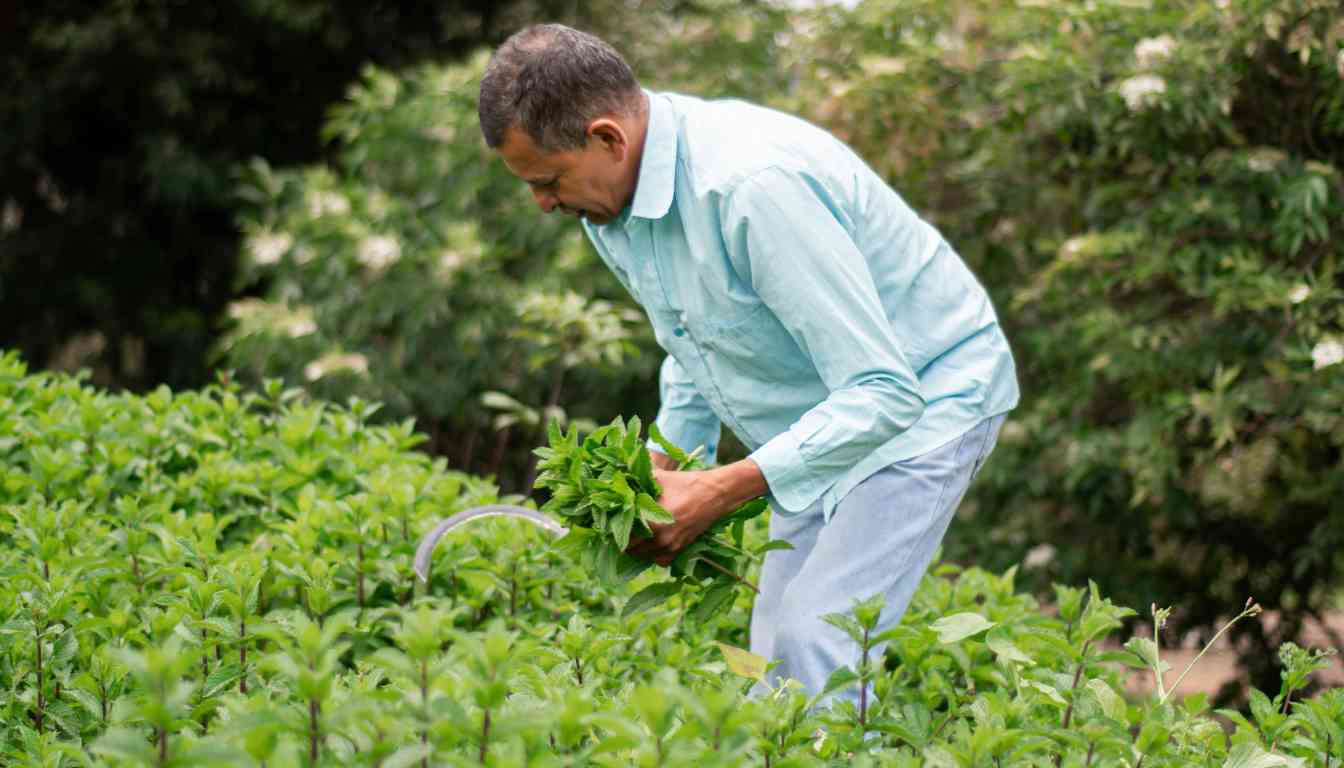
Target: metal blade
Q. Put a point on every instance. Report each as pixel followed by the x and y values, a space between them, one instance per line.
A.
pixel 425 552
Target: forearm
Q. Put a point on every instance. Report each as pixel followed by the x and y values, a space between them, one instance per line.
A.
pixel 735 484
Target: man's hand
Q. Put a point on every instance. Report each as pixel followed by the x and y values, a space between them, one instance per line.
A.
pixel 662 461
pixel 697 500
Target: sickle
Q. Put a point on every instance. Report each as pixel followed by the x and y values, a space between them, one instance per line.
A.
pixel 425 551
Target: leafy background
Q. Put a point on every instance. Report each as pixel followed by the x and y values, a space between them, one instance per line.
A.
pixel 1151 192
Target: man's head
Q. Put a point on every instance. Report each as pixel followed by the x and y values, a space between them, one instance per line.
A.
pixel 564 111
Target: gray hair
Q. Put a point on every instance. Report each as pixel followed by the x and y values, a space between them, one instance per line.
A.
pixel 551 81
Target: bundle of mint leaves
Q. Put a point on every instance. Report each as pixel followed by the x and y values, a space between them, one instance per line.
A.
pixel 602 487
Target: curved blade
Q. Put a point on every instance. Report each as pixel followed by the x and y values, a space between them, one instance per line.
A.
pixel 425 551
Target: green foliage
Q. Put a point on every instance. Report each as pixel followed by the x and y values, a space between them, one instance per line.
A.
pixel 420 275
pixel 1152 192
pixel 604 488
pixel 267 615
pixel 124 125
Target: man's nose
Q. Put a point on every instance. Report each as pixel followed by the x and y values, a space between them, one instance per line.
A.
pixel 546 200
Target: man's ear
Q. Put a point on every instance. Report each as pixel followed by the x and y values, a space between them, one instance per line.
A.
pixel 610 137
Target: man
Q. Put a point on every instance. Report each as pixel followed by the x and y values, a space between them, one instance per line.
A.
pixel 801 303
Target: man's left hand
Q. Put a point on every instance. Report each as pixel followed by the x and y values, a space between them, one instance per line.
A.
pixel 697 499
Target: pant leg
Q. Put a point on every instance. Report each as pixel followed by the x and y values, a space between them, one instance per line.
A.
pixel 880 539
pixel 778 570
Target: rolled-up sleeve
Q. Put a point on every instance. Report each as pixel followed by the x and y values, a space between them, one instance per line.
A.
pixel 684 416
pixel 786 232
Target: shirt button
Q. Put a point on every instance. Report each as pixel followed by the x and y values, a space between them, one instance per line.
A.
pixel 678 332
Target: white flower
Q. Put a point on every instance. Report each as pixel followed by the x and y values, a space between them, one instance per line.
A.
pixel 882 65
pixel 1299 293
pixel 1265 159
pixel 1039 555
pixel 1152 51
pixel 1073 247
pixel 1004 229
pixel 246 308
pixel 334 362
pixel 1142 91
pixel 379 251
pixel 268 247
pixel 1326 354
pixel 12 218
pixel 451 262
pixel 1339 63
pixel 327 203
pixel 300 322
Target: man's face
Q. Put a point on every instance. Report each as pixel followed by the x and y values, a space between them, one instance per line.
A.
pixel 588 182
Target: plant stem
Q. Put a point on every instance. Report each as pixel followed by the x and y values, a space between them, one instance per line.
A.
pixel 727 572
pixel 242 652
pixel 424 706
pixel 863 686
pixel 1073 691
pixel 513 590
pixel 41 681
pixel 485 734
pixel 1251 610
pixel 313 735
pixel 359 576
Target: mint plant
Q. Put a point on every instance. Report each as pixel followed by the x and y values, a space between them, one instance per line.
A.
pixel 603 487
pixel 207 611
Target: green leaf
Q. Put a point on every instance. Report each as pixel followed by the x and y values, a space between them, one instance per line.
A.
pixel 631 444
pixel 743 662
pixel 714 600
pixel 629 566
pixel 650 596
pixel 959 626
pixel 221 678
pixel 1000 641
pixel 620 528
pixel 673 452
pixel 773 545
pixel 1112 705
pixel 1251 755
pixel 650 511
pixel 642 472
pixel 840 679
pixel 408 756
pixel 847 624
pixel 1146 650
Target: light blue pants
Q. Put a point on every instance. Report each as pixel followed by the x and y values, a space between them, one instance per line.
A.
pixel 880 538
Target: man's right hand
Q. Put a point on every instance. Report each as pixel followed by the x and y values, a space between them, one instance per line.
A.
pixel 662 460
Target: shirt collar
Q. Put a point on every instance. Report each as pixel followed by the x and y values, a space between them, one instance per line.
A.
pixel 658 166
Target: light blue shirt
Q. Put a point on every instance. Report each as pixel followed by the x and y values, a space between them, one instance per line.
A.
pixel 801 302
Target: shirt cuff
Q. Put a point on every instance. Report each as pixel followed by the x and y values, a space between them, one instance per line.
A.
pixel 793 488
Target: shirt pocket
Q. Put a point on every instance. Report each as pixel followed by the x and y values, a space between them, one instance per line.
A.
pixel 751 343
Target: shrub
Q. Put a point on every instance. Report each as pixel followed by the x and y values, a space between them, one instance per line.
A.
pixel 224 578
pixel 1153 193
